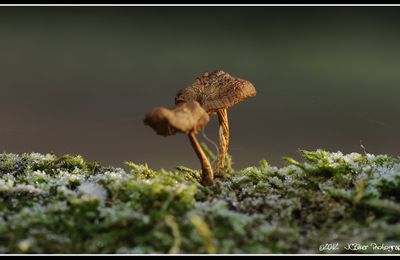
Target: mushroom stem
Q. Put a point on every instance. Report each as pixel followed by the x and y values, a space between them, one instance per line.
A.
pixel 207 171
pixel 223 140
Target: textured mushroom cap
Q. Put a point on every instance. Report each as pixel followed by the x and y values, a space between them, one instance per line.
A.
pixel 185 118
pixel 216 90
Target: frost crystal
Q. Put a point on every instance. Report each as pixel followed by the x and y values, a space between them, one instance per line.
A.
pixel 93 191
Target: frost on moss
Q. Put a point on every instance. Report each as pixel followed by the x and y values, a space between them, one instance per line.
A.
pixel 52 204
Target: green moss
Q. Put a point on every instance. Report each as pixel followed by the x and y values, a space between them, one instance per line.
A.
pixel 67 205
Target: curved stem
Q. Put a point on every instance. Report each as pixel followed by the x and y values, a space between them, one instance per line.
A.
pixel 207 171
pixel 223 140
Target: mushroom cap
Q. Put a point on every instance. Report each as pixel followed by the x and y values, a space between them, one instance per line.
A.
pixel 186 118
pixel 216 90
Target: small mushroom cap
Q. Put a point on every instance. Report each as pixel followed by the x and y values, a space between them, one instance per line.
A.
pixel 216 90
pixel 186 118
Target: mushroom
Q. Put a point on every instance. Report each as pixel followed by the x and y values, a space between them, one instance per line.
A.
pixel 216 92
pixel 188 118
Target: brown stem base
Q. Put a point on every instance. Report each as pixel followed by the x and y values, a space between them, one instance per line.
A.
pixel 207 177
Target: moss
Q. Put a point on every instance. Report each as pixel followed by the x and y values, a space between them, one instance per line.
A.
pixel 65 204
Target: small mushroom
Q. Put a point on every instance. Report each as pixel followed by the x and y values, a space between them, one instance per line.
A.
pixel 216 92
pixel 188 118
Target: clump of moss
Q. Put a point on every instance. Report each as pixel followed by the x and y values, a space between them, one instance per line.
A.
pixel 52 204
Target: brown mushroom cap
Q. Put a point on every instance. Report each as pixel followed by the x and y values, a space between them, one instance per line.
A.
pixel 216 90
pixel 185 118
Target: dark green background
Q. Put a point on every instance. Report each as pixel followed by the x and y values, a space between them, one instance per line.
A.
pixel 79 79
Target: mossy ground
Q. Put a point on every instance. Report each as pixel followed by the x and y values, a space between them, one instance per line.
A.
pixel 67 205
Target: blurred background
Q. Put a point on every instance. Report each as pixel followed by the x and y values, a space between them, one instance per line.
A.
pixel 79 80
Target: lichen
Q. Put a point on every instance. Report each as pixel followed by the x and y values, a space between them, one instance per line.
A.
pixel 52 204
